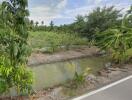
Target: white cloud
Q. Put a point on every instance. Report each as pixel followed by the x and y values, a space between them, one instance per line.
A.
pixel 79 11
pixel 93 2
pixel 62 4
pixel 55 9
pixel 97 3
pixel 49 12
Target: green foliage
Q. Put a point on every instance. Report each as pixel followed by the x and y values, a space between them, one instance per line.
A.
pixel 5 70
pixel 14 77
pixel 127 21
pixel 79 78
pixel 117 40
pixel 15 24
pixel 14 47
pixel 53 41
pixel 1 24
pixel 23 80
pixel 100 20
pixel 79 24
pixel 3 87
pixel 69 40
pixel 51 25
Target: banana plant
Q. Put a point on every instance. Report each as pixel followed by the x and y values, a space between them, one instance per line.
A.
pixel 117 40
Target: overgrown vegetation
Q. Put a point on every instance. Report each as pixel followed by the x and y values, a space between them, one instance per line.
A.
pixel 107 28
pixel 14 47
pixel 80 78
pixel 117 40
pixel 51 41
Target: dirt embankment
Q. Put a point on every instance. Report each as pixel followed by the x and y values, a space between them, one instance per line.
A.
pixel 41 58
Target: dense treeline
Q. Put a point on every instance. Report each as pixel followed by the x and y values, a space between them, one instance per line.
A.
pixel 99 20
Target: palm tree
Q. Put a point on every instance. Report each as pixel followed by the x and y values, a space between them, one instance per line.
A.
pixel 51 25
pixel 32 22
pixel 42 23
pixel 37 23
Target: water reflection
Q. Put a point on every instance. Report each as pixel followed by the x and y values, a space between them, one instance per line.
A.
pixel 48 75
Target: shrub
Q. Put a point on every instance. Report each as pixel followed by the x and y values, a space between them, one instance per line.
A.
pixel 19 77
pixel 14 47
pixel 118 41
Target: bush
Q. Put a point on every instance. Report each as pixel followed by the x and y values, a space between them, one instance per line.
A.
pixel 117 41
pixel 79 78
pixel 19 77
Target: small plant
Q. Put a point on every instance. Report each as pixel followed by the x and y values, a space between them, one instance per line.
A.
pixel 80 78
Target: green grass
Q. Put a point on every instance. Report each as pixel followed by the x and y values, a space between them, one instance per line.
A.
pixel 129 52
pixel 37 39
pixel 54 40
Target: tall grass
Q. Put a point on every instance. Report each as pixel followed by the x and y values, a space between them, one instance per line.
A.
pixel 52 41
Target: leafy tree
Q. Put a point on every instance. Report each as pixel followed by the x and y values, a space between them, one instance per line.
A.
pixel 37 23
pixel 128 18
pixel 14 41
pixel 51 25
pixel 14 18
pixel 100 20
pixel 1 24
pixel 42 23
pixel 31 24
pixel 118 40
pixel 79 24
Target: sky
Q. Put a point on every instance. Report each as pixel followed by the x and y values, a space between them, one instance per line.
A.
pixel 65 11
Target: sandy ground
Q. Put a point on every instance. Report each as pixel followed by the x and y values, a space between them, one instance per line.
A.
pixel 41 58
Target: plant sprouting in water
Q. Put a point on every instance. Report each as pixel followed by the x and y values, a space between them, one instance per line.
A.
pixel 79 78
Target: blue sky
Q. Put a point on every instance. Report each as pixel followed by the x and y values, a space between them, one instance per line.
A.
pixel 65 11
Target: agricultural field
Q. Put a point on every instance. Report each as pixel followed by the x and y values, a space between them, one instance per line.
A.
pixel 51 41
